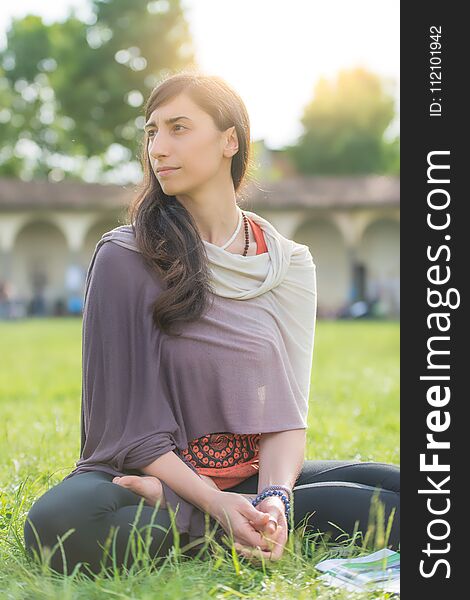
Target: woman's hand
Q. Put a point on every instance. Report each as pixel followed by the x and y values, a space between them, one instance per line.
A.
pixel 275 532
pixel 273 529
pixel 239 517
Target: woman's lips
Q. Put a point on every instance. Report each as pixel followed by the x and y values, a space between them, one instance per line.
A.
pixel 165 172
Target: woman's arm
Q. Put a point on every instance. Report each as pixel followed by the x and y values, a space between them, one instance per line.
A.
pixel 281 457
pixel 212 484
pixel 236 516
pixel 185 482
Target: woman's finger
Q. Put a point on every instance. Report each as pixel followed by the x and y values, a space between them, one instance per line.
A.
pixel 252 537
pixel 272 551
pixel 253 554
pixel 249 537
pixel 271 524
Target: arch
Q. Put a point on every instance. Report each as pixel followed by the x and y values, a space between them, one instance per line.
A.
pixel 330 255
pixel 39 261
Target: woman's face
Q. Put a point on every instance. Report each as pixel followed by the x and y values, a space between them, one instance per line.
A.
pixel 193 144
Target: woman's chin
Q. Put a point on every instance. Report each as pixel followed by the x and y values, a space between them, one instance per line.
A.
pixel 171 189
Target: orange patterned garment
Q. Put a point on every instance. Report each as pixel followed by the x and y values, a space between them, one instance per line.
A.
pixel 228 458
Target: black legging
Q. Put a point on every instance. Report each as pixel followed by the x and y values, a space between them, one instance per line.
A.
pixel 337 491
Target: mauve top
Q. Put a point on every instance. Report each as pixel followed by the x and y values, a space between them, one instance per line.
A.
pixel 228 458
pixel 243 367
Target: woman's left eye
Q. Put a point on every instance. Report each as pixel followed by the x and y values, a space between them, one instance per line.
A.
pixel 152 131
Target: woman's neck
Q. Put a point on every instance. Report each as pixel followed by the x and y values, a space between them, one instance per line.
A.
pixel 215 213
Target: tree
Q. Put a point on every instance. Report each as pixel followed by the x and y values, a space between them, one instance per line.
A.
pixel 344 127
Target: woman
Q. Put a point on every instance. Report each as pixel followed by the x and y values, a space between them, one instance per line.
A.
pixel 198 334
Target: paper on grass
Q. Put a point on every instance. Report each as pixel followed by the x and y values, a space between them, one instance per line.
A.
pixel 377 571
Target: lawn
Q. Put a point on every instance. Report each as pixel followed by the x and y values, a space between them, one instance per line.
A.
pixel 353 414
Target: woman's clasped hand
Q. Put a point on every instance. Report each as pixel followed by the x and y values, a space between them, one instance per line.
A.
pixel 259 532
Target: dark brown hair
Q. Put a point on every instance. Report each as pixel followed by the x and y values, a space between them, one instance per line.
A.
pixel 165 231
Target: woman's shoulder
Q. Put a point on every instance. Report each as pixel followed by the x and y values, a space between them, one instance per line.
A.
pixel 122 275
pixel 123 235
pixel 118 256
pixel 110 253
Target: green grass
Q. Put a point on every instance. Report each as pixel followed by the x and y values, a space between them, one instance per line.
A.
pixel 354 414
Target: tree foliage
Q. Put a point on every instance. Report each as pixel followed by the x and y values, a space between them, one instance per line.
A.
pixel 344 127
pixel 74 89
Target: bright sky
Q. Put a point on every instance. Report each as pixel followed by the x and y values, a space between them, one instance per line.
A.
pixel 274 51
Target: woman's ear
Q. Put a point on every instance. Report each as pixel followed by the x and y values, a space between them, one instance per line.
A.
pixel 231 143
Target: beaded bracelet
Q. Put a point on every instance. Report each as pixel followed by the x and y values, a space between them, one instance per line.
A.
pixel 280 487
pixel 275 490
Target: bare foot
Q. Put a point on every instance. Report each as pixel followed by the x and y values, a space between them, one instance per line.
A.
pixel 147 486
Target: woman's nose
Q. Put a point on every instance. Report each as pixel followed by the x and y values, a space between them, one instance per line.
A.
pixel 158 147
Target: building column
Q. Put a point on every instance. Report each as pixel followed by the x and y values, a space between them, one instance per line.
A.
pixel 5 286
pixel 75 228
pixel 74 283
pixel 6 264
pixel 350 227
pixel 357 277
pixel 9 227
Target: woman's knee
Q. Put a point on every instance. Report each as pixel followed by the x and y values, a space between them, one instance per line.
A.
pixel 376 474
pixel 66 510
pixel 65 505
pixel 381 475
pixel 85 511
pixel 336 507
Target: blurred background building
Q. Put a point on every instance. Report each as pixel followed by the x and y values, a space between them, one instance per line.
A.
pixel 48 231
